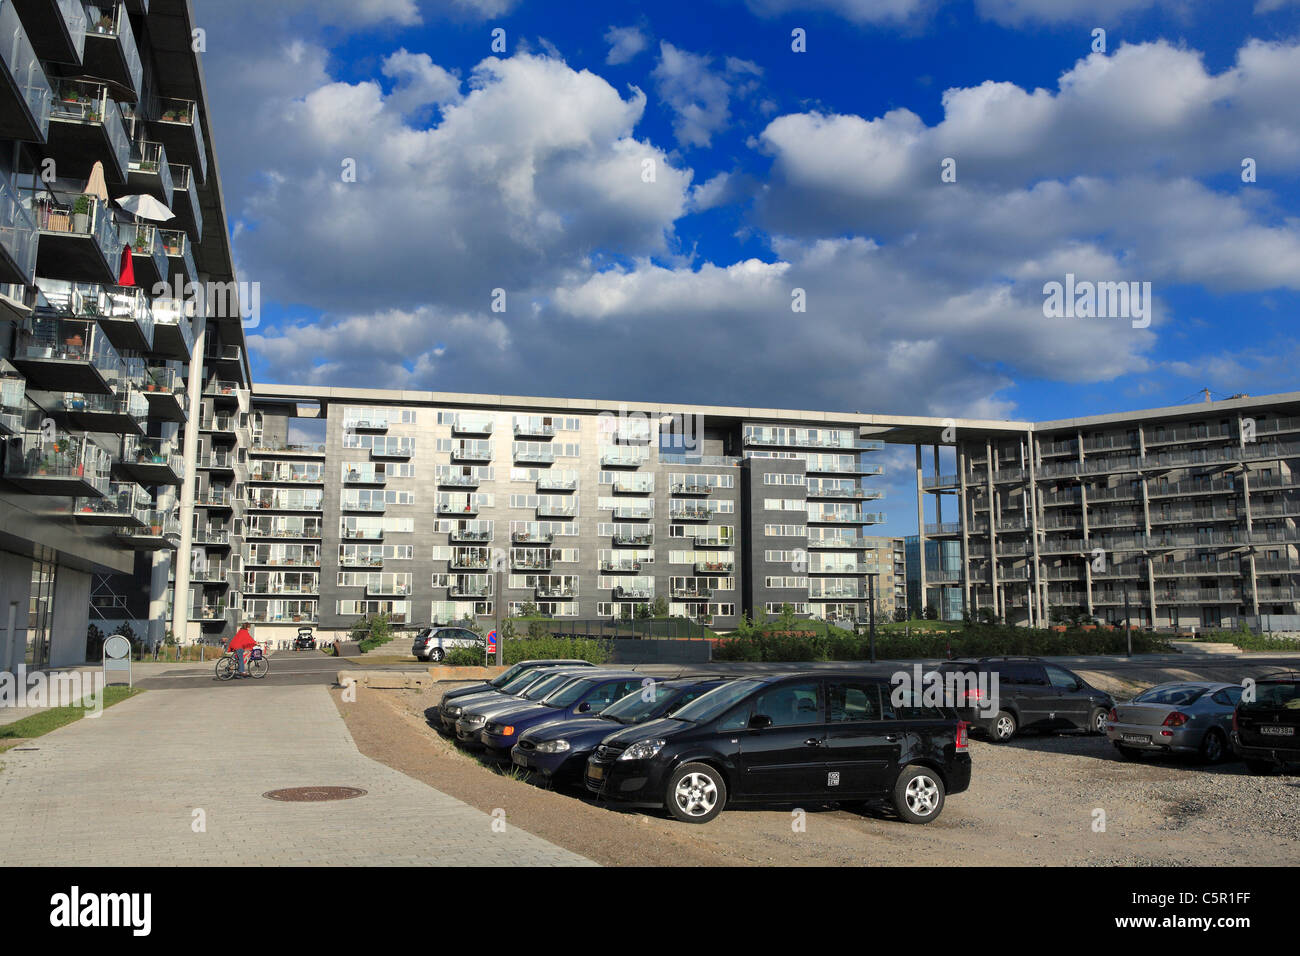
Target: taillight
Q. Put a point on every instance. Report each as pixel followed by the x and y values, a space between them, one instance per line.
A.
pixel 1234 720
pixel 974 694
pixel 963 737
pixel 1176 719
pixel 1113 716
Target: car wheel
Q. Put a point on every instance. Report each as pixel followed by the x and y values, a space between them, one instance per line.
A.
pixel 436 654
pixel 1098 719
pixel 1213 746
pixel 918 794
pixel 1260 767
pixel 696 793
pixel 1004 727
pixel 1128 753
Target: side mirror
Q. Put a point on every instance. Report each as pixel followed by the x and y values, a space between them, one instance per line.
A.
pixel 760 722
pixel 583 708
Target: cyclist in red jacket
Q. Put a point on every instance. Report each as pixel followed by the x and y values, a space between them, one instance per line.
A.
pixel 240 645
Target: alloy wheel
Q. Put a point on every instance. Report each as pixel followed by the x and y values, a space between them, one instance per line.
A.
pixel 922 795
pixel 696 794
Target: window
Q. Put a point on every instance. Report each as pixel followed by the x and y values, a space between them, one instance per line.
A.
pixel 1061 678
pixel 789 705
pixel 852 700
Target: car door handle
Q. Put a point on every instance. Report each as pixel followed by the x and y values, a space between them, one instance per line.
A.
pixel 813 742
pixel 892 738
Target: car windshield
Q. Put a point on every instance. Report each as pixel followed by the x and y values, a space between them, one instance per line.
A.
pixel 1172 694
pixel 546 685
pixel 519 682
pixel 710 705
pixel 1279 695
pixel 501 680
pixel 635 707
pixel 566 695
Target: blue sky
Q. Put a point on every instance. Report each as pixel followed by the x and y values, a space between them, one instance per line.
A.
pixel 775 171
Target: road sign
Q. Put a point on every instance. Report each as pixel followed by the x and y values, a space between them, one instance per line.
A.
pixel 492 642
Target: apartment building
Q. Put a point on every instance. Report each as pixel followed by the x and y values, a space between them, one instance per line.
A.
pixel 431 507
pixel 110 385
pixel 1175 517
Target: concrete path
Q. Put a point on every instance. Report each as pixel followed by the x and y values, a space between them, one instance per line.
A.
pixel 123 789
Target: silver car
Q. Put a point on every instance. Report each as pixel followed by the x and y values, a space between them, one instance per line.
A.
pixel 1187 717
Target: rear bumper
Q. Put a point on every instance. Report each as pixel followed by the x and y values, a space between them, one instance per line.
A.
pixel 1257 751
pixel 1154 739
pixel 958 773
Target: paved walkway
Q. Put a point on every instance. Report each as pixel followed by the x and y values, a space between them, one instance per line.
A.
pixel 122 790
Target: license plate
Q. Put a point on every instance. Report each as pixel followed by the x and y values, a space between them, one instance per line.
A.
pixel 1278 731
pixel 519 759
pixel 1136 738
pixel 596 773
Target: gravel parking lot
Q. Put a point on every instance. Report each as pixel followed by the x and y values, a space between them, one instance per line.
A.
pixel 1031 802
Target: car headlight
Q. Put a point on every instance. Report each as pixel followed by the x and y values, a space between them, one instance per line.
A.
pixel 475 720
pixel 642 750
pixel 451 710
pixel 552 746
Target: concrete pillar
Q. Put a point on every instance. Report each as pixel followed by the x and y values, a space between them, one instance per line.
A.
pixel 963 509
pixel 181 596
pixel 920 532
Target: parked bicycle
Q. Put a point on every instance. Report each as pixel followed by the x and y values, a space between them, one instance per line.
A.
pixel 258 665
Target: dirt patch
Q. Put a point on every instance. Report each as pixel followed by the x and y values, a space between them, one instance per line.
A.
pixel 1035 801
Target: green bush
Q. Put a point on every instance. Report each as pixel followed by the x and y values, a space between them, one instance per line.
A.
pixel 464 657
pixel 1248 640
pixel 372 632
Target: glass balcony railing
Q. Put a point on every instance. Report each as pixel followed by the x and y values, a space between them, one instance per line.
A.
pixel 158 524
pixel 53 454
pixel 82 215
pixel 183 184
pixel 472 425
pixel 171 314
pixel 13 399
pixel 153 451
pixel 19 236
pixel 47 338
pixel 24 67
pixel 113 23
pixel 177 112
pixel 623 459
pixel 124 501
pixel 145 241
pixel 82 101
pixel 125 403
pixel 176 245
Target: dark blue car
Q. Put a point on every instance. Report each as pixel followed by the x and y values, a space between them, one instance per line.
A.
pixel 506 683
pixel 476 710
pixel 559 750
pixel 579 698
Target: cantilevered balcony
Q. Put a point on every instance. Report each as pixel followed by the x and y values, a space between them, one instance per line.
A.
pixel 185 201
pixel 122 412
pixel 212 537
pixel 533 453
pixel 556 481
pixel 715 567
pixel 623 458
pixel 558 509
pixel 472 451
pixel 691 487
pixel 173 336
pixel 461 508
pixel 178 127
pixel 78 239
pixel 534 426
pixel 148 260
pixel 536 560
pixel 390 446
pixel 638 538
pixel 13 399
pixel 164 390
pixel 161 530
pixel 19 237
pixel 633 512
pixel 150 461
pixel 470 535
pixel 472 425
pixel 124 313
pixel 111 53
pixel 86 127
pixel 25 93
pixel 124 505
pixel 67 355
pixel 56 462
pixel 56 28
pixel 451 480
pixel 531 536
pixel 222 392
pixel 470 559
pixel 470 586
pixel 688 512
pixel 215 499
pixel 180 256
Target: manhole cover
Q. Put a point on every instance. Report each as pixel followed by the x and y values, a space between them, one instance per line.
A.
pixel 314 794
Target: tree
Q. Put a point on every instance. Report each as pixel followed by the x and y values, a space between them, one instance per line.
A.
pixel 931 612
pixel 900 615
pixel 528 609
pixel 987 615
pixel 660 607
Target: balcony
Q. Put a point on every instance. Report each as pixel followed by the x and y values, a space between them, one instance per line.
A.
pixel 532 537
pixel 19 237
pixel 180 257
pixel 531 562
pixel 111 53
pixel 212 537
pixel 856 467
pixel 179 128
pixel 56 28
pixel 123 505
pixel 533 427
pixel 160 531
pixel 222 461
pixel 212 614
pixel 633 512
pixel 464 509
pixel 78 239
pixel 372 420
pixel 148 172
pixel 469 589
pixel 13 399
pixel 124 313
pixel 614 458
pixel 85 128
pixel 534 454
pixel 363 532
pixel 173 336
pixel 470 535
pixel 620 565
pixel 222 393
pixel 472 451
pixel 840 541
pixel 846 517
pixel 285 450
pixel 691 488
pixel 164 390
pixel 715 567
pixel 458 481
pixel 215 499
pixel 401 448
pixel 211 575
pixel 56 462
pixel 148 260
pixel 549 482
pixel 67 355
pixel 689 513
pixel 554 509
pixel 185 201
pixel 219 425
pixel 264 499
pixel 632 433
pixel 469 561
pixel 472 425
pixel 792 439
pixel 122 412
pixel 150 461
pixel 25 92
pixel 634 538
pixel 555 592
pixel 692 593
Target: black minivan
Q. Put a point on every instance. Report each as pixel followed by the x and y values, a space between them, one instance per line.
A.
pixel 1266 728
pixel 1031 694
pixel 844 737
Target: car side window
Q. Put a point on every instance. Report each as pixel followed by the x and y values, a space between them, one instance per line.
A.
pixel 1061 678
pixel 1228 696
pixel 902 704
pixel 1032 675
pixel 607 693
pixel 852 700
pixel 738 719
pixel 790 705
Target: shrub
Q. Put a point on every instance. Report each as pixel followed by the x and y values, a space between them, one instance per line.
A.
pixel 464 657
pixel 372 632
pixel 1248 640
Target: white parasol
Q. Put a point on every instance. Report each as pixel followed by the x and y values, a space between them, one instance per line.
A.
pixel 146 207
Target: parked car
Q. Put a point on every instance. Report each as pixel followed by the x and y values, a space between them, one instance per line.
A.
pixel 305 639
pixel 559 750
pixel 589 694
pixel 433 643
pixel 1189 717
pixel 473 718
pixel 1266 730
pixel 1031 695
pixel 453 710
pixel 781 738
pixel 501 680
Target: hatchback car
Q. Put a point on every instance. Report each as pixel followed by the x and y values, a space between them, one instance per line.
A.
pixel 559 750
pixel 1031 694
pixel 588 694
pixel 498 683
pixel 1266 728
pixel 433 643
pixel 1188 717
pixel 474 714
pixel 776 739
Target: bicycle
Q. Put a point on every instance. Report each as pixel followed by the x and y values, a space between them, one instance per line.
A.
pixel 258 665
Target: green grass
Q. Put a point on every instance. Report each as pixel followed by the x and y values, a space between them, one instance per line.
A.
pixel 56 717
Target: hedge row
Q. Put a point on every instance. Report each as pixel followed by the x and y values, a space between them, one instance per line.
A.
pixel 533 648
pixel 974 641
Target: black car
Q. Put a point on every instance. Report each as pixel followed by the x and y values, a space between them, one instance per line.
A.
pixel 305 640
pixel 1030 694
pixel 498 683
pixel 1266 727
pixel 781 738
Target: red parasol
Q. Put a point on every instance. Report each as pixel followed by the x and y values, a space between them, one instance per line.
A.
pixel 127 275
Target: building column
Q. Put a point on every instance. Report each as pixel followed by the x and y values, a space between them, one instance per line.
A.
pixel 993 532
pixel 1087 554
pixel 181 596
pixel 1031 494
pixel 920 532
pixel 962 506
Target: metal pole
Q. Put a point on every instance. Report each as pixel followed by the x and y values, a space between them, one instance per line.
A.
pixel 496 608
pixel 1128 630
pixel 871 611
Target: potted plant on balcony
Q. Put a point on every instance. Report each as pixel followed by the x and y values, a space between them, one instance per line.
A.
pixel 81 214
pixel 105 24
